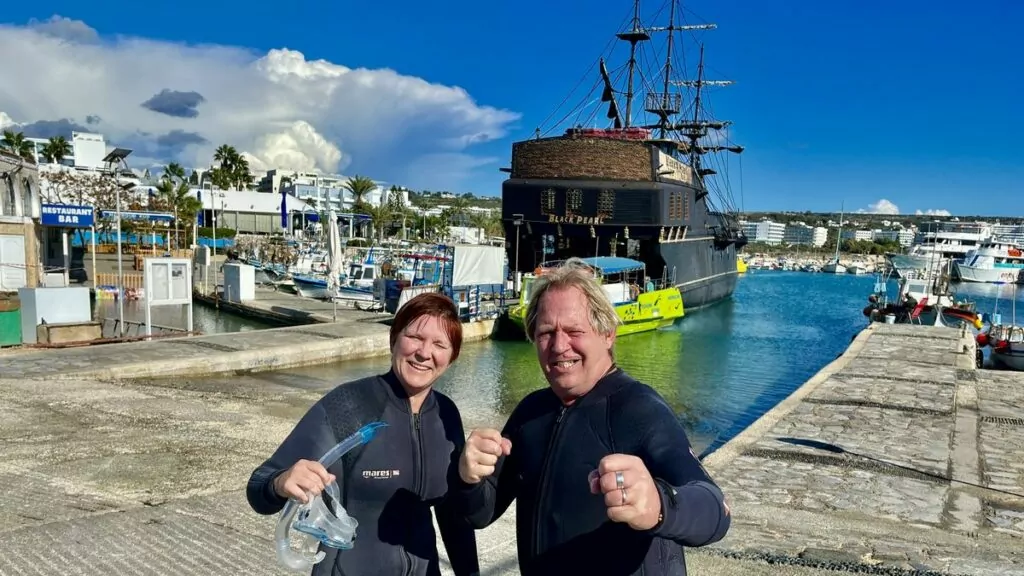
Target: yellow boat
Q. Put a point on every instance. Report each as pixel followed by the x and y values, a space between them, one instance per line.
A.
pixel 741 265
pixel 642 305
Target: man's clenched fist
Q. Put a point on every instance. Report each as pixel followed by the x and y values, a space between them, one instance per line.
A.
pixel 483 448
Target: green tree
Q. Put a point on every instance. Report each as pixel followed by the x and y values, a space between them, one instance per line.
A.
pixel 16 143
pixel 56 149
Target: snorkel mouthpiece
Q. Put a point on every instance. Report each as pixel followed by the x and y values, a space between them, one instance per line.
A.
pixel 315 521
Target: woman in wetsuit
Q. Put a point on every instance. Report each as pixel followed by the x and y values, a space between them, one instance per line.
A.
pixel 390 484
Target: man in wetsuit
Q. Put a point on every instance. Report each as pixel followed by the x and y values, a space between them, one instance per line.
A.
pixel 646 495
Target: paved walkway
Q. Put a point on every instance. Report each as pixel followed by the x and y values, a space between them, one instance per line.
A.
pixel 902 395
pixel 147 477
pixel 356 334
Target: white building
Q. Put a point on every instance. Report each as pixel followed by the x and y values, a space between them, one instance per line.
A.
pixel 765 231
pixel 87 150
pixel 903 236
pixel 250 212
pixel 857 235
pixel 800 234
pixel 341 199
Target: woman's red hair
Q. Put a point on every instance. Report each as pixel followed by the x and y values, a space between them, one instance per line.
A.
pixel 430 304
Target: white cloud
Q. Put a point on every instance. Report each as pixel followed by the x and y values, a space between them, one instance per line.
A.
pixel 883 206
pixel 933 212
pixel 279 107
pixel 6 121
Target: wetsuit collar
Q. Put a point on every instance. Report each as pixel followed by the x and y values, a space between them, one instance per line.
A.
pixel 399 397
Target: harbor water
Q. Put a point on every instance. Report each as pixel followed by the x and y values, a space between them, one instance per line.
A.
pixel 720 368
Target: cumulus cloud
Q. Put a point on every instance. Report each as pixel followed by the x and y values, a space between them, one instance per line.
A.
pixel 279 108
pixel 933 212
pixel 65 28
pixel 883 206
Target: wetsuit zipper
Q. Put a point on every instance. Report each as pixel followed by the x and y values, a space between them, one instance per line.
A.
pixel 418 483
pixel 543 481
pixel 419 460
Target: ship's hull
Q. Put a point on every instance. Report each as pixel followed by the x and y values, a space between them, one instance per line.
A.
pixel 704 275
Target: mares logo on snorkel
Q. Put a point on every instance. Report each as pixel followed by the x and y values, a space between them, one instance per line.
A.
pixel 317 522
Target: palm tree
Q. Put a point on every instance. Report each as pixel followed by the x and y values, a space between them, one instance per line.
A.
pixel 57 149
pixel 174 172
pixel 232 169
pixel 16 143
pixel 359 186
pixel 175 196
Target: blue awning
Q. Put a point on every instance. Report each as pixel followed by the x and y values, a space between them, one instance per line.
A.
pixel 136 215
pixel 614 264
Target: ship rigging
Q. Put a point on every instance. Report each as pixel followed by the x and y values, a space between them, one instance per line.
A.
pixel 639 178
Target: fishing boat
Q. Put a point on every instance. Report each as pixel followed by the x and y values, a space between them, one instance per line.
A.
pixel 925 300
pixel 1007 343
pixel 641 304
pixel 640 179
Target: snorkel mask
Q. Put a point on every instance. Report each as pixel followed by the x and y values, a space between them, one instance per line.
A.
pixel 317 522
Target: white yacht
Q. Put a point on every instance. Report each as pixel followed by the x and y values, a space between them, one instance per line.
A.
pixel 940 243
pixel 994 261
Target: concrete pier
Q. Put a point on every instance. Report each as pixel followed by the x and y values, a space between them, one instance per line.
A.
pixel 147 477
pixel 911 411
pixel 356 335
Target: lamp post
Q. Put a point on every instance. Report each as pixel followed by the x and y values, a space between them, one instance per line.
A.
pixel 112 162
pixel 213 208
pixel 517 220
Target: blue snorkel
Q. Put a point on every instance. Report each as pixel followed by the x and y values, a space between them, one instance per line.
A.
pixel 318 523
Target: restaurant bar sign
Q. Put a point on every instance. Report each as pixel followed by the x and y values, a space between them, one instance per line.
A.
pixel 66 216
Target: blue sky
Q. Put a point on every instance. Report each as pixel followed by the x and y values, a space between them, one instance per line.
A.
pixel 836 102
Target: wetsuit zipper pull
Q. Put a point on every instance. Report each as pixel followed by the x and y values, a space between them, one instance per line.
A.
pixel 561 413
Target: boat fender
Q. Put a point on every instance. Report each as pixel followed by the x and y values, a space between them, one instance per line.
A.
pixel 982 339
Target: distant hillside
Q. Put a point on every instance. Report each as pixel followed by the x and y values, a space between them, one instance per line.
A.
pixel 870 221
pixel 429 199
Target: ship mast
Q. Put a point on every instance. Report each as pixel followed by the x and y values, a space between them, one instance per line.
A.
pixel 668 67
pixel 635 35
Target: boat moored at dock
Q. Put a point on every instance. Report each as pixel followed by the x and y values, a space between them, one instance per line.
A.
pixel 641 304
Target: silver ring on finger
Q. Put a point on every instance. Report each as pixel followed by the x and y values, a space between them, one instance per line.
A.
pixel 620 481
pixel 623 496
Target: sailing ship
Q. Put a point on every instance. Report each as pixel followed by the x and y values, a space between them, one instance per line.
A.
pixel 642 186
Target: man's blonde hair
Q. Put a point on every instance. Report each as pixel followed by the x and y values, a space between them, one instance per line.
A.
pixel 573 273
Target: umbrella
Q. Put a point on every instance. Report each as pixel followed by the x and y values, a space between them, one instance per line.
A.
pixel 334 260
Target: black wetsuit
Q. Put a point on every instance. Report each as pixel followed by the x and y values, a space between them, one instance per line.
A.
pixel 388 485
pixel 564 529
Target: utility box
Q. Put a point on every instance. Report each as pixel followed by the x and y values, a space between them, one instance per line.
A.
pixel 239 282
pixel 203 256
pixel 70 305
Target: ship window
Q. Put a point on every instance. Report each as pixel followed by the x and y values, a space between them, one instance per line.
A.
pixel 547 201
pixel 573 200
pixel 685 200
pixel 606 203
